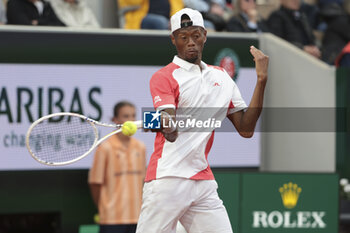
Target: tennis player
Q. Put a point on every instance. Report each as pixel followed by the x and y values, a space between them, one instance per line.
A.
pixel 180 185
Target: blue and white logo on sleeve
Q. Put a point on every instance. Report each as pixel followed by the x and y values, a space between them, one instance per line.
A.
pixel 151 120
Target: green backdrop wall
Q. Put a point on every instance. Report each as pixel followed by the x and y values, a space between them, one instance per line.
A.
pixel 66 193
pixel 343 122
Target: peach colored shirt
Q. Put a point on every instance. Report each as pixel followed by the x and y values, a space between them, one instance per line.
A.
pixel 121 171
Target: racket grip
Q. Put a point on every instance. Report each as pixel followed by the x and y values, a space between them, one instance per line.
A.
pixel 139 124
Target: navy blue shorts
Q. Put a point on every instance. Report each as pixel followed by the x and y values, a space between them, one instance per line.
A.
pixel 125 228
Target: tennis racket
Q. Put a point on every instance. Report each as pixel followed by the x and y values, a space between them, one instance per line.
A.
pixel 64 138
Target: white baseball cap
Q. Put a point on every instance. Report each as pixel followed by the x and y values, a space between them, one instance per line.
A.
pixel 194 15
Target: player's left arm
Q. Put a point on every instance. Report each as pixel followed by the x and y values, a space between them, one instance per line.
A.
pixel 245 121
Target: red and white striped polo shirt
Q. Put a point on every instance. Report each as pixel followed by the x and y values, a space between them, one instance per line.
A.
pixel 183 85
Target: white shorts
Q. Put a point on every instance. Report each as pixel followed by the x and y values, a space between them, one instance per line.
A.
pixel 195 203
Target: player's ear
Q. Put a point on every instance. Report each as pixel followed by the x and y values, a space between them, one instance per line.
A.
pixel 172 39
pixel 205 35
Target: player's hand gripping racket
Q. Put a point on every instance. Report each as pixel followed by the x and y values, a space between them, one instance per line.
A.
pixel 64 138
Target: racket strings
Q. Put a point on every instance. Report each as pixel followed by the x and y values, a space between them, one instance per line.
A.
pixel 62 141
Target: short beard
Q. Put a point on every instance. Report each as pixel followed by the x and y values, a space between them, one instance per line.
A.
pixel 192 60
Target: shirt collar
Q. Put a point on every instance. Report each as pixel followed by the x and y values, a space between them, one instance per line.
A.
pixel 187 65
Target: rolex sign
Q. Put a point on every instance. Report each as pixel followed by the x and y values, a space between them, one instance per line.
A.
pixel 305 203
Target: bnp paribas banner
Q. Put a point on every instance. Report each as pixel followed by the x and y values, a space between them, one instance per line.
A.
pixel 88 72
pixel 289 203
pixel 30 91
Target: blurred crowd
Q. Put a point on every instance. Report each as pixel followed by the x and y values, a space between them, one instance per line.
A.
pixel 319 27
pixel 47 13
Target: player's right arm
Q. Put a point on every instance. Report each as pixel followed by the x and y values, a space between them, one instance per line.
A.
pixel 164 91
pixel 168 119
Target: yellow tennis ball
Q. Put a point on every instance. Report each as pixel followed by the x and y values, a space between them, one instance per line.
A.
pixel 129 128
pixel 96 218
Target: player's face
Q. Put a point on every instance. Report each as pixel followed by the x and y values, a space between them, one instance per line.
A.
pixel 189 43
pixel 126 113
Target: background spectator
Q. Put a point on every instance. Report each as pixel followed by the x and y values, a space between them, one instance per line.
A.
pixel 154 14
pixel 74 13
pixel 31 12
pixel 312 13
pixel 246 18
pixel 159 12
pixel 292 25
pixel 213 11
pixel 199 5
pixel 131 13
pixel 337 34
pixel 2 13
pixel 216 14
pixel 343 60
pixel 116 176
pixel 202 6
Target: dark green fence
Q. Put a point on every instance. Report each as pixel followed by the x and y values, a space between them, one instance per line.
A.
pixel 253 200
pixel 343 122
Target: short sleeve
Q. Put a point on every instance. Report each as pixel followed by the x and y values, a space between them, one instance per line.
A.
pixel 163 91
pixel 237 103
pixel 97 171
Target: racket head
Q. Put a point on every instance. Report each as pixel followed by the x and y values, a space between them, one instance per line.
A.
pixel 61 138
